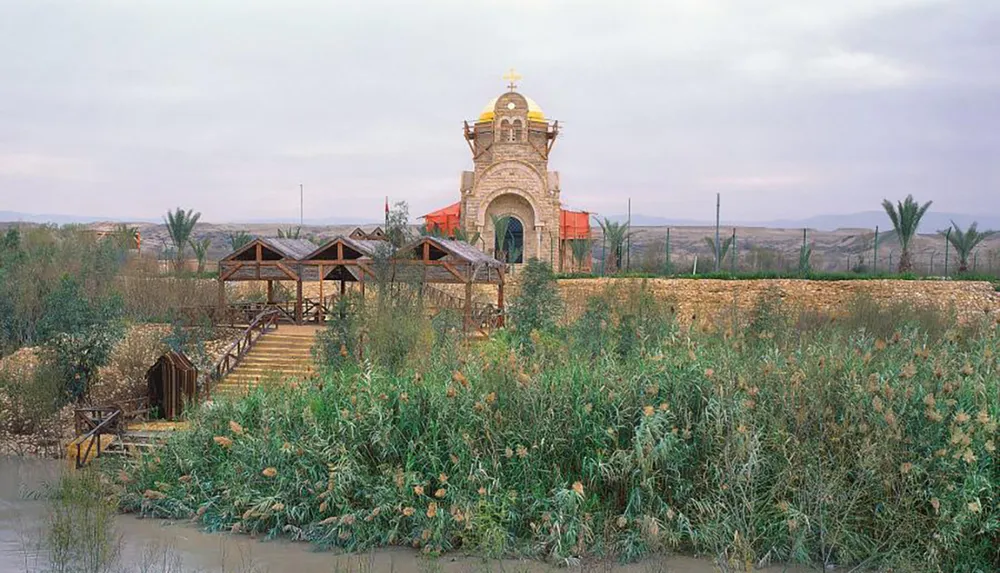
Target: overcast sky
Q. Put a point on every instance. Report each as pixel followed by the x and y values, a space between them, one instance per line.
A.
pixel 789 108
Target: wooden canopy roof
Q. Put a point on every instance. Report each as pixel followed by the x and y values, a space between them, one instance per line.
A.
pixel 427 259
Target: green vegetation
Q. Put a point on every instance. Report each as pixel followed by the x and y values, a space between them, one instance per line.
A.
pixel 615 234
pixel 773 436
pixel 965 242
pixel 720 251
pixel 180 224
pixel 905 217
pixel 200 248
pixel 581 249
pixel 239 240
pixel 290 233
pixel 505 249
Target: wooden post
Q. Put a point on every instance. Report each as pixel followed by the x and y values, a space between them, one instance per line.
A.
pixel 270 292
pixel 320 315
pixel 222 296
pixel 343 294
pixel 298 301
pixel 468 306
pixel 500 319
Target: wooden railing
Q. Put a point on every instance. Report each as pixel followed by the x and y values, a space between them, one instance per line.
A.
pixel 263 322
pixel 484 315
pixel 98 421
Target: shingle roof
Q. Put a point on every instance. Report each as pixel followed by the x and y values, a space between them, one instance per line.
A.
pixel 464 251
pixel 294 249
pixel 365 247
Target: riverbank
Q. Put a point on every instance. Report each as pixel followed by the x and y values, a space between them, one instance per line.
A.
pixel 775 437
pixel 163 546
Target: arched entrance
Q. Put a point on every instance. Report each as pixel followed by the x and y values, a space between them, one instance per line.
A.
pixel 510 248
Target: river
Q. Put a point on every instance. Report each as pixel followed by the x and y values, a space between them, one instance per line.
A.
pixel 177 548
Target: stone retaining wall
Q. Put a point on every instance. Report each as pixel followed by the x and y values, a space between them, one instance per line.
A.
pixel 706 298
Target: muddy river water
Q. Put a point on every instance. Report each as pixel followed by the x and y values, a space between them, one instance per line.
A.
pixel 184 548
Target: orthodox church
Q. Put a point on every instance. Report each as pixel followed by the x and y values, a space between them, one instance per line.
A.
pixel 510 144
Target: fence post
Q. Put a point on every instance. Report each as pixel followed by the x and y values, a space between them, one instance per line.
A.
pixel 875 260
pixel 718 244
pixel 947 242
pixel 890 259
pixel 667 266
pixel 735 254
pixel 802 251
pixel 933 253
pixel 604 253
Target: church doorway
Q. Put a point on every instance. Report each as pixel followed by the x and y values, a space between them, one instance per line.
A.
pixel 510 247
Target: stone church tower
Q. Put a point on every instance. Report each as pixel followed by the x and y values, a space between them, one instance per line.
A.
pixel 510 144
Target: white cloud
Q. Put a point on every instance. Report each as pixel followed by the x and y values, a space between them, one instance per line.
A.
pixel 860 70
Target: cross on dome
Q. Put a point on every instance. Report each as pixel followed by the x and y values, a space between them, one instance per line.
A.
pixel 512 77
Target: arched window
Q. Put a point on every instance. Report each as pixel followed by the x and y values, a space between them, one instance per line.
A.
pixel 516 132
pixel 511 248
pixel 504 130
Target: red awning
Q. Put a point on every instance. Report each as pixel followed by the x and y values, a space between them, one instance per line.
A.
pixel 574 224
pixel 445 221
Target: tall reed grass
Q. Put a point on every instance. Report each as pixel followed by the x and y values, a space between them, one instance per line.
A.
pixel 768 437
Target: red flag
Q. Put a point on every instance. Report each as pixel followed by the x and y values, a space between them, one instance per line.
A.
pixel 386 204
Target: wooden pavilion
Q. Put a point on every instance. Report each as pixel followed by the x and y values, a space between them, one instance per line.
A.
pixel 427 260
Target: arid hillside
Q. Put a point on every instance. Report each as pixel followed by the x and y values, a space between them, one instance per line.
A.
pixel 757 248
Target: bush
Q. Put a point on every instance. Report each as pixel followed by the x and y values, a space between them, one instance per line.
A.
pixel 831 448
pixel 537 305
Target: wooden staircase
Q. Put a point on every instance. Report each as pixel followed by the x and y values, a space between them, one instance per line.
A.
pixel 278 356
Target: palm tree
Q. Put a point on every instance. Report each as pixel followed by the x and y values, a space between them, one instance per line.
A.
pixel 290 233
pixel 721 251
pixel 805 256
pixel 200 248
pixel 580 249
pixel 502 238
pixel 965 242
pixel 905 217
pixel 239 240
pixel 616 234
pixel 180 225
pixel 125 237
pixel 466 237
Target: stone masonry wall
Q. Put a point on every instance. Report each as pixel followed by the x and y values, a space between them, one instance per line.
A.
pixel 702 300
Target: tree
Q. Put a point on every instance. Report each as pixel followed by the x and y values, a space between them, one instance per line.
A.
pixel 616 235
pixel 965 242
pixel 180 225
pixel 580 248
pixel 537 305
pixel 79 335
pixel 466 237
pixel 200 248
pixel 397 225
pixel 239 240
pixel 805 256
pixel 125 237
pixel 504 241
pixel 905 217
pixel 290 233
pixel 727 243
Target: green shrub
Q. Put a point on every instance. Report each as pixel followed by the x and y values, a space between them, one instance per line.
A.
pixel 537 305
pixel 834 448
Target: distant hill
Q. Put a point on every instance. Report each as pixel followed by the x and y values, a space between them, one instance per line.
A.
pixel 865 220
pixel 14 216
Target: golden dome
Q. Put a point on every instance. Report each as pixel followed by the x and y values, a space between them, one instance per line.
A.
pixel 534 111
